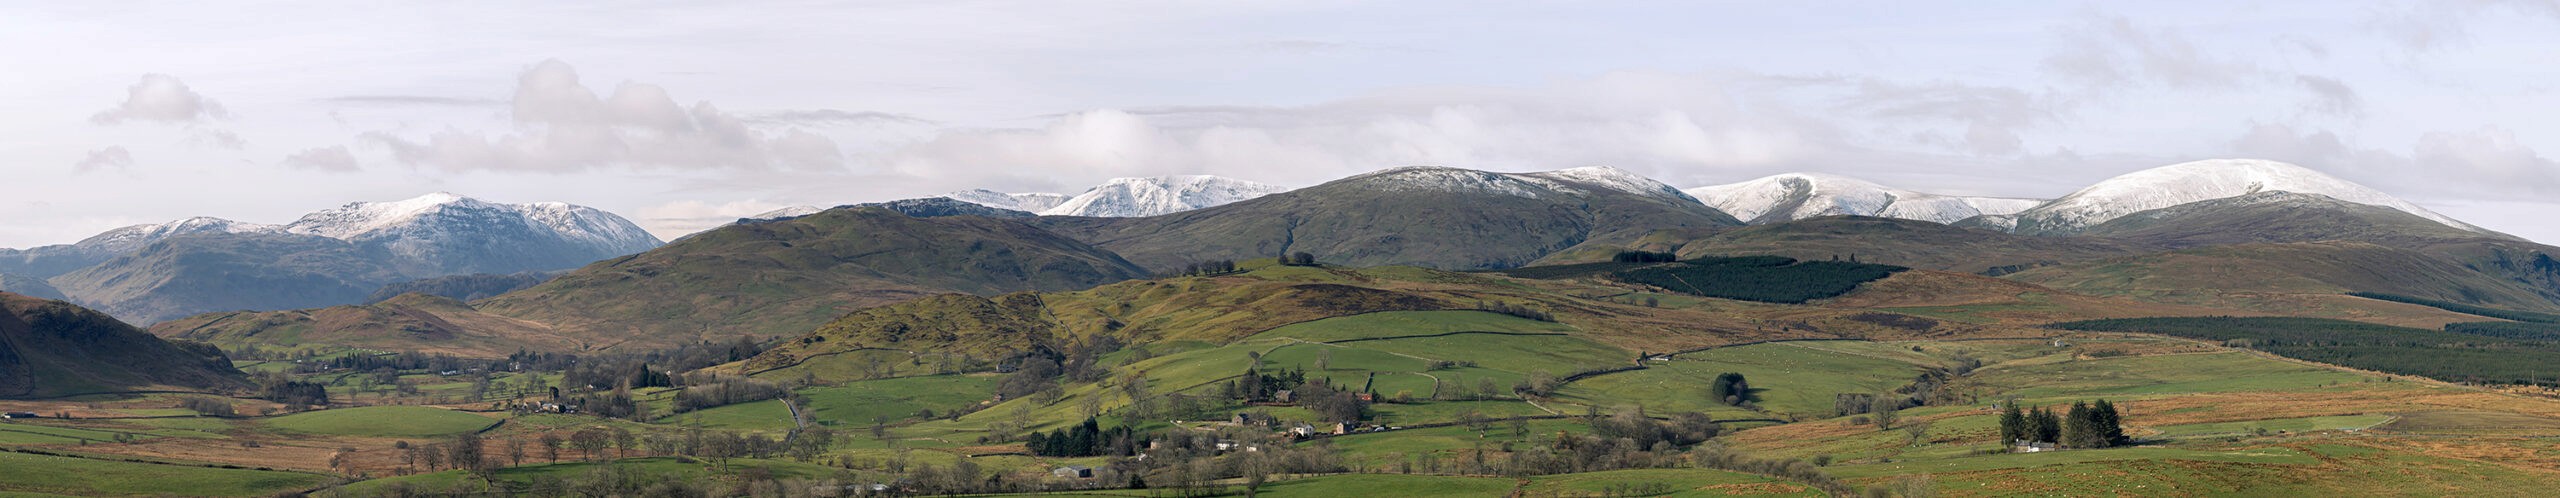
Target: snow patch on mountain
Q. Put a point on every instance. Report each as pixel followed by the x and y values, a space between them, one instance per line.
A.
pixel 1032 203
pixel 1155 196
pixel 1796 196
pixel 132 238
pixel 1613 179
pixel 2205 180
pixel 787 212
pixel 1440 179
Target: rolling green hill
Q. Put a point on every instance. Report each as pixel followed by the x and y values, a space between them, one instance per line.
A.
pixel 1434 217
pixel 785 277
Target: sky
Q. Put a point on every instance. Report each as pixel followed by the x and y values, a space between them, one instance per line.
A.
pixel 682 115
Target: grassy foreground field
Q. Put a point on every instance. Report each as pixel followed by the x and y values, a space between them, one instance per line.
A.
pixel 383 421
pixel 43 474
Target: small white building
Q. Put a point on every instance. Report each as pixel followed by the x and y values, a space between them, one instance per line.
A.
pixel 1073 472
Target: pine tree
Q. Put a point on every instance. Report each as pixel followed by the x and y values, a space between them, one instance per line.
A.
pixel 2080 428
pixel 2110 423
pixel 2043 427
pixel 2013 425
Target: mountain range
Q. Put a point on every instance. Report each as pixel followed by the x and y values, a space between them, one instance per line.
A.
pixel 781 273
pixel 149 273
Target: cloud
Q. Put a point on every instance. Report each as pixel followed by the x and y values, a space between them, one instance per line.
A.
pixel 2331 96
pixel 2490 161
pixel 2430 25
pixel 112 157
pixel 160 97
pixel 563 126
pixel 2111 52
pixel 335 158
pixel 832 117
pixel 676 219
pixel 220 138
pixel 413 100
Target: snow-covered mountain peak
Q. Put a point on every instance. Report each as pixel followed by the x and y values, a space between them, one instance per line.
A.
pixel 2205 180
pixel 1795 196
pixel 1444 179
pixel 130 238
pixel 1160 195
pixel 1031 202
pixel 1615 179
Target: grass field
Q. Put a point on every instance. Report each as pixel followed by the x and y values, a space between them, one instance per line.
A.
pixel 26 473
pixel 1390 485
pixel 17 433
pixel 1408 323
pixel 2306 424
pixel 651 469
pixel 1788 378
pixel 860 403
pixel 768 415
pixel 383 421
pixel 2155 375
pixel 1680 482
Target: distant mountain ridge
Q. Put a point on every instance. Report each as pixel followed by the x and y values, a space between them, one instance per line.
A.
pixel 147 273
pixel 2198 181
pixel 1796 196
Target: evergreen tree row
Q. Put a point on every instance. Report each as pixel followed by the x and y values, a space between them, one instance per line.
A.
pixel 2084 426
pixel 1085 440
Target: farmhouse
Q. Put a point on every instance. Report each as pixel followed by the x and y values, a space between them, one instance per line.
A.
pixel 19 415
pixel 1073 472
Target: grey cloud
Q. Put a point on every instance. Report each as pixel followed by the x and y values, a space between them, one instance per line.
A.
pixel 563 126
pixel 160 97
pixel 832 117
pixel 1990 117
pixel 2107 52
pixel 2331 96
pixel 2425 26
pixel 220 138
pixel 413 100
pixel 108 158
pixel 334 158
pixel 2489 162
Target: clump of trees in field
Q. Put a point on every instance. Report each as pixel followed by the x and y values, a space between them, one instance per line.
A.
pixel 2083 426
pixel 1218 267
pixel 1515 310
pixel 1732 389
pixel 1644 257
pixel 1086 440
pixel 706 390
pixel 1760 278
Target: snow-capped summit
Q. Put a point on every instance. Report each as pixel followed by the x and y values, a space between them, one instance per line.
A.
pixel 1029 203
pixel 1614 179
pixel 1444 179
pixel 444 234
pixel 2197 181
pixel 1795 196
pixel 128 239
pixel 1162 195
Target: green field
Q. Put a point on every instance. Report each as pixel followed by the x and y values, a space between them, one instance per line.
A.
pixel 18 433
pixel 649 469
pixel 1391 485
pixel 1409 323
pixel 1790 379
pixel 383 421
pixel 2155 375
pixel 2307 424
pixel 26 473
pixel 1681 482
pixel 861 403
pixel 768 415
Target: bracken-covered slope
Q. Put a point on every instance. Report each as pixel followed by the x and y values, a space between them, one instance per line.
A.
pixel 52 348
pixel 1427 216
pixel 409 322
pixel 785 277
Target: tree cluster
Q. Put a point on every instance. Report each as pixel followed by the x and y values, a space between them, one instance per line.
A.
pixel 1219 267
pixel 1255 386
pixel 1731 389
pixel 2084 425
pixel 1515 310
pixel 1645 257
pixel 1298 259
pixel 1759 278
pixel 706 390
pixel 1086 440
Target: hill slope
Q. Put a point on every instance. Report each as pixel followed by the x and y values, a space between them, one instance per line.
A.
pixel 52 348
pixel 199 273
pixel 409 322
pixel 787 276
pixel 1437 217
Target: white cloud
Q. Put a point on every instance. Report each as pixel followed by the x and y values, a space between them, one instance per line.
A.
pixel 2108 52
pixel 162 98
pixel 335 158
pixel 2490 162
pixel 2330 96
pixel 562 126
pixel 107 158
pixel 677 219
